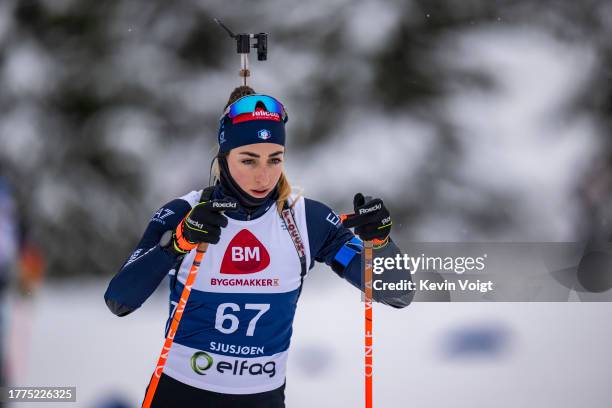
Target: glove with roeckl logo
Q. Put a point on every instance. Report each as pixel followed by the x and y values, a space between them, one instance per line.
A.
pixel 371 219
pixel 203 223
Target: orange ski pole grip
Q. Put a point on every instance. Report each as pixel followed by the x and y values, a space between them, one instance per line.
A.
pixel 375 242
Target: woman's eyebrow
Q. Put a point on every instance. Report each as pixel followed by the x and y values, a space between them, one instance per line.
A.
pixel 250 154
pixel 255 155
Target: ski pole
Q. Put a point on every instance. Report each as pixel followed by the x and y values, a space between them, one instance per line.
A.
pixel 176 319
pixel 367 260
pixel 368 247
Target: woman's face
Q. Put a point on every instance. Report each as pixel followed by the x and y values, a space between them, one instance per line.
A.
pixel 256 167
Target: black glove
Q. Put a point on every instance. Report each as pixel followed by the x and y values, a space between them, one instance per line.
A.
pixel 203 223
pixel 371 219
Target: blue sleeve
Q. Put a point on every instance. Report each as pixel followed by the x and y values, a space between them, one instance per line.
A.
pixel 327 235
pixel 338 247
pixel 142 273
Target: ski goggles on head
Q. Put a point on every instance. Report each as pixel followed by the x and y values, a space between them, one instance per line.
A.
pixel 248 105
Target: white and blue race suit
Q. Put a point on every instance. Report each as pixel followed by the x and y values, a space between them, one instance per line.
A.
pixel 235 332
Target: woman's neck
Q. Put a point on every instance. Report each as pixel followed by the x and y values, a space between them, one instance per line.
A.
pixel 243 213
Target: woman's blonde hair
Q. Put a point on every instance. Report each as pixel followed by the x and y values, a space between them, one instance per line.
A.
pixel 283 186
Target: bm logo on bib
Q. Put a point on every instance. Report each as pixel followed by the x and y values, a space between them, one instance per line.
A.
pixel 245 254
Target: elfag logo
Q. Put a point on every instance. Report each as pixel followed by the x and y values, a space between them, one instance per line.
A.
pixel 245 254
pixel 200 362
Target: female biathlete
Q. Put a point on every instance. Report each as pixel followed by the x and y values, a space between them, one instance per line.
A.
pixel 231 346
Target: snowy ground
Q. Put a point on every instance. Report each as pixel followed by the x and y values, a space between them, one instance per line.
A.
pixel 520 355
